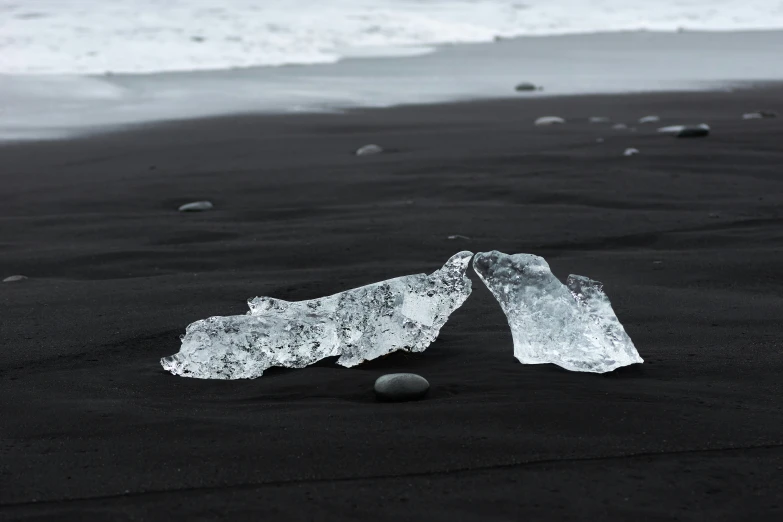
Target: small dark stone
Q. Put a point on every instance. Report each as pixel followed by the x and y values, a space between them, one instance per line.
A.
pixel 196 206
pixel 526 87
pixel 369 150
pixel 757 115
pixel 549 120
pixel 693 132
pixel 399 387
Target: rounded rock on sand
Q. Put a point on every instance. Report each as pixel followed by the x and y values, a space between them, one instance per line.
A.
pixel 14 278
pixel 400 387
pixel 698 131
pixel 526 87
pixel 686 131
pixel 549 120
pixel 368 150
pixel 759 115
pixel 196 206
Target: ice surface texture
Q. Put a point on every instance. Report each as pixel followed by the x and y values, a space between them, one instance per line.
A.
pixel 405 313
pixel 571 325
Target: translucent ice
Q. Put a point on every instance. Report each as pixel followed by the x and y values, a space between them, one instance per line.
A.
pixel 571 325
pixel 405 313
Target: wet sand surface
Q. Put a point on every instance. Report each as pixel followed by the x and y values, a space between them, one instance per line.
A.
pixel 686 237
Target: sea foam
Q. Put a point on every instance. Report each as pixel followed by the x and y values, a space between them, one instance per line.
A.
pixel 145 36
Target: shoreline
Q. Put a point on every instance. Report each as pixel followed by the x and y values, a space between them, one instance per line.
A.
pixel 610 63
pixel 762 88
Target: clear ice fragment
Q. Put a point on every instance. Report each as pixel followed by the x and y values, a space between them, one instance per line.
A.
pixel 571 325
pixel 405 313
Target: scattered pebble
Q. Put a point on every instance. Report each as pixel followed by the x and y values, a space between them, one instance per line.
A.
pixel 671 129
pixel 699 131
pixel 599 119
pixel 527 87
pixel 549 120
pixel 631 152
pixel 714 215
pixel 11 279
pixel 686 131
pixel 367 150
pixel 398 387
pixel 649 119
pixel 758 115
pixel 619 126
pixel 458 236
pixel 599 140
pixel 196 206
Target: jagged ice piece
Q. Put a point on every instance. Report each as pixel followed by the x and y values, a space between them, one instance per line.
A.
pixel 405 313
pixel 571 325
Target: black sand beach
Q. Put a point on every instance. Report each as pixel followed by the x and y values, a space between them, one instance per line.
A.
pixel 686 236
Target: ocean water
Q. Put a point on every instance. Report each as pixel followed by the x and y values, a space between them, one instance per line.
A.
pixel 149 36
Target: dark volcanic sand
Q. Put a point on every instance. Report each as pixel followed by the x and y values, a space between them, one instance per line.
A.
pixel 686 236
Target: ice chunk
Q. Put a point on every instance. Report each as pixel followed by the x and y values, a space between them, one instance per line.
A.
pixel 405 313
pixel 630 152
pixel 649 119
pixel 571 325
